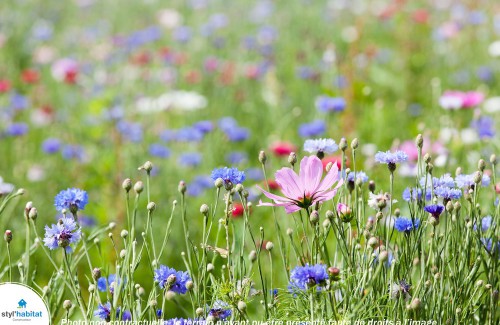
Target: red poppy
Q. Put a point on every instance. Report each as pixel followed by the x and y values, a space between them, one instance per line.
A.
pixel 282 148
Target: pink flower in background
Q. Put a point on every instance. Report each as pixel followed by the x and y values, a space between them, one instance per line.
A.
pixel 452 99
pixel 411 149
pixel 66 70
pixel 306 189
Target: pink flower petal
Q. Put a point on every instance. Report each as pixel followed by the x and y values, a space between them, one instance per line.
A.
pixel 311 171
pixel 290 183
pixel 329 180
pixel 276 198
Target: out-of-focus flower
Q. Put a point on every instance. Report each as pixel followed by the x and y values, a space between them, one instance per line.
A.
pixel 65 70
pixel 313 129
pixel 453 100
pixel 283 148
pixel 169 18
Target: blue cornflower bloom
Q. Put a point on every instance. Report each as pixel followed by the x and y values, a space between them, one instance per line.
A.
pixel 72 199
pixel 485 127
pixel 17 129
pixel 391 157
pixel 179 285
pixel 313 129
pixel 414 194
pixel 305 72
pixel 488 245
pixel 103 311
pixel 189 159
pixel 353 176
pixel 445 180
pixel 406 225
pixel 255 174
pixel 168 135
pixel 435 210
pixel 70 151
pixel 51 145
pixel 220 310
pixel 126 316
pixel 189 134
pixel 466 181
pixel 130 131
pixel 330 104
pixel 182 34
pixel 237 134
pixel 18 101
pixel 62 234
pixel 236 157
pixel 448 193
pixel 103 283
pixel 486 223
pixel 204 126
pixel 320 146
pixel 158 150
pixel 227 123
pixel 305 277
pixel 159 314
pixel 228 175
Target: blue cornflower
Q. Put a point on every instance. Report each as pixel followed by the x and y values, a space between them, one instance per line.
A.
pixel 168 135
pixel 236 157
pixel 228 175
pixel 189 159
pixel 17 129
pixel 448 193
pixel 103 311
pixel 330 104
pixel 182 34
pixel 72 199
pixel 305 277
pixel 126 316
pixel 320 146
pixel 51 145
pixel 62 234
pixel 237 134
pixel 486 223
pixel 445 180
pixel 414 194
pixel 179 285
pixel 18 101
pixel 488 245
pixel 406 225
pixel 204 126
pixel 103 283
pixel 305 72
pixel 313 129
pixel 485 127
pixel 159 314
pixel 391 157
pixel 227 123
pixel 70 151
pixel 130 131
pixel 353 176
pixel 220 310
pixel 188 134
pixel 255 174
pixel 158 150
pixel 435 210
pixel 466 181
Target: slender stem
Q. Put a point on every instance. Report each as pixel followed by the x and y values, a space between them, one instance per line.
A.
pixel 27 252
pixel 10 262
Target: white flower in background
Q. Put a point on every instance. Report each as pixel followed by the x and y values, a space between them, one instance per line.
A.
pixel 450 102
pixel 492 105
pixel 36 173
pixel 169 18
pixel 494 49
pixel 176 99
pixel 5 188
pixel 469 136
pixel 43 54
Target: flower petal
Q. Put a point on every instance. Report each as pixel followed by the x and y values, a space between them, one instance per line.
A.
pixel 311 171
pixel 290 183
pixel 331 177
pixel 275 198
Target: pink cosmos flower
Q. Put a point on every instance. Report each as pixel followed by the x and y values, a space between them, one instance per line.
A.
pixel 453 99
pixel 306 189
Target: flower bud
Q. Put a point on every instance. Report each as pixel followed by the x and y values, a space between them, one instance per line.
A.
pixel 252 256
pixel 269 246
pixel 171 279
pixel 343 144
pixel 289 231
pixel 373 242
pixel 189 285
pixel 91 288
pixel 292 158
pixel 383 256
pixel 219 182
pixel 127 185
pixel 199 311
pixel 124 233
pixel 419 141
pixel 182 187
pixel 457 206
pixel 355 144
pixel 67 304
pixel 170 295
pixel 334 273
pixel 96 273
pixel 262 157
pixel 493 159
pixel 327 223
pixel 242 306
pixel 8 236
pixel 330 215
pixel 148 166
pixel 123 253
pixel 210 267
pixel 479 283
pixel 345 212
pixel 204 209
pixel 314 217
pixel 478 177
pixel 27 209
pixel 371 186
pixel 415 304
pixel 151 206
pixel 138 187
pixel 481 165
pixel 434 221
pixel 427 158
pixel 239 188
pixel 112 225
pixel 153 303
pixel 449 206
pixel 141 292
pixel 33 214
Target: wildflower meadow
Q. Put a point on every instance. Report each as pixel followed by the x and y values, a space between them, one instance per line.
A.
pixel 196 162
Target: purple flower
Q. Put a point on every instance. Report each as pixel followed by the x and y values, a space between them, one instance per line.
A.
pixel 130 131
pixel 305 277
pixel 103 311
pixel 448 193
pixel 406 225
pixel 236 157
pixel 189 159
pixel 18 101
pixel 414 194
pixel 164 274
pixel 72 199
pixel 330 104
pixel 391 157
pixel 62 234
pixel 227 123
pixel 467 181
pixel 237 134
pixel 353 176
pixel 228 175
pixel 306 189
pixel 158 150
pixel 182 34
pixel 51 145
pixel 485 127
pixel 103 283
pixel 189 134
pixel 204 126
pixel 486 223
pixel 220 310
pixel 435 210
pixel 17 129
pixel 70 151
pixel 313 129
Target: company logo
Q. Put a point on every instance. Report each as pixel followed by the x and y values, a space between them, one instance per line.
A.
pixel 21 303
pixel 14 299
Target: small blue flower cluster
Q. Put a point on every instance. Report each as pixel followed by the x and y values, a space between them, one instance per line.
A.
pixel 228 175
pixel 162 275
pixel 308 276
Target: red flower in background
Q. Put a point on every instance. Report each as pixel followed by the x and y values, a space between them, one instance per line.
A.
pixel 420 16
pixel 282 148
pixel 238 210
pixel 4 86
pixel 334 159
pixel 30 76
